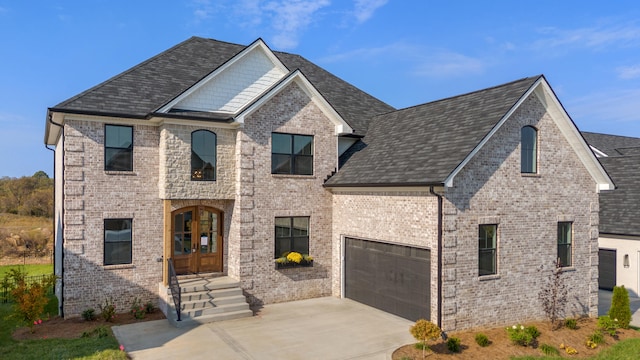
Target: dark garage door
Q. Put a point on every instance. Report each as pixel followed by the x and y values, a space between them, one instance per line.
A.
pixel 606 269
pixel 392 278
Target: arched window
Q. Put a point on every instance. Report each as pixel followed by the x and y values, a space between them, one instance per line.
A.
pixel 203 155
pixel 529 150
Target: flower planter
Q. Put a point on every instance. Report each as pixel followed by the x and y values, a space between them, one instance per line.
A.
pixel 294 265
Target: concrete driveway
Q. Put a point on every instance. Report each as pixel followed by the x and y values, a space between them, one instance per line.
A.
pixel 323 328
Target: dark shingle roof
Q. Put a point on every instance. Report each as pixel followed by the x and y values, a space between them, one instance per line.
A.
pixel 151 84
pixel 620 208
pixel 422 145
pixel 613 145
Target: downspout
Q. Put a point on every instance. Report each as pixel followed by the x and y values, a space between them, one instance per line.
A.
pixel 439 295
pixel 61 300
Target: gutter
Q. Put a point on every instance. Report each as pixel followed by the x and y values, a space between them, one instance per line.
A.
pixel 61 300
pixel 439 295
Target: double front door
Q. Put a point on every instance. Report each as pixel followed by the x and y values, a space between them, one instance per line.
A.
pixel 197 240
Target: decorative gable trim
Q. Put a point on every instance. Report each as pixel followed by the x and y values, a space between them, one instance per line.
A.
pixel 257 45
pixel 547 97
pixel 298 78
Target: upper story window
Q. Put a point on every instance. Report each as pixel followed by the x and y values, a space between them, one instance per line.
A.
pixel 487 245
pixel 529 150
pixel 203 155
pixel 291 154
pixel 118 148
pixel 117 241
pixel 565 232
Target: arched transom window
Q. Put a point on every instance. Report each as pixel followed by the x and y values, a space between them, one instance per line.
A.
pixel 203 155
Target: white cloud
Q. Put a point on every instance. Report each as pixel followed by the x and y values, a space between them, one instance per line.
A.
pixel 290 18
pixel 596 37
pixel 610 111
pixel 628 72
pixel 364 9
pixel 449 64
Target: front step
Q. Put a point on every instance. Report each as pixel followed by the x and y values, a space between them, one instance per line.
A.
pixel 207 299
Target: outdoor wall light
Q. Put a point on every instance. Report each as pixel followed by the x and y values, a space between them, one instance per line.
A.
pixel 625 261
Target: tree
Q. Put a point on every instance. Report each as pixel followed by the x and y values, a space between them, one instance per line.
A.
pixel 620 308
pixel 553 295
pixel 424 330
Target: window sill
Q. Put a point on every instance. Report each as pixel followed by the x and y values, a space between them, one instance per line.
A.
pixel 531 175
pixel 128 173
pixel 292 176
pixel 118 267
pixel 489 277
pixel 567 269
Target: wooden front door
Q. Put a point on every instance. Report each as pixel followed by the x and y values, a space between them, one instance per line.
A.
pixel 197 240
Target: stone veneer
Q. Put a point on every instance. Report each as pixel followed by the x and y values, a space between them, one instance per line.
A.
pixel 261 197
pixel 491 190
pixel 91 195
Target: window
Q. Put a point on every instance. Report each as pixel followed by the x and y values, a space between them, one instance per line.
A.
pixel 117 241
pixel 529 151
pixel 291 154
pixel 292 234
pixel 565 230
pixel 118 148
pixel 487 244
pixel 203 155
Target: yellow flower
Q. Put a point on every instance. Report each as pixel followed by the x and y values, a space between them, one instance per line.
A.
pixel 294 257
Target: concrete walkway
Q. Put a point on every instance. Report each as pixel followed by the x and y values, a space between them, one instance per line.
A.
pixel 604 303
pixel 323 328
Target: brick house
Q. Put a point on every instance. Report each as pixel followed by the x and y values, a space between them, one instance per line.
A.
pixel 619 212
pixel 223 157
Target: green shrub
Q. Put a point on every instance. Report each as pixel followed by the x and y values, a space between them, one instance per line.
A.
pixel 596 338
pixel 519 335
pixel 149 308
pixel 108 310
pixel 571 324
pixel 605 323
pixel 89 314
pixel 549 350
pixel 482 340
pixel 620 308
pixel 137 310
pixel 453 344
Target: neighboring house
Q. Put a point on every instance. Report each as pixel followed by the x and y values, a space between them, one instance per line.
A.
pixel 223 157
pixel 619 211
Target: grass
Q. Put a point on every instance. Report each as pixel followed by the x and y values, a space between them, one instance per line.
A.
pixel 90 348
pixel 14 222
pixel 623 350
pixel 32 270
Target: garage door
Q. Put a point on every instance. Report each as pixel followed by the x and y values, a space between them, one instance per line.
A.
pixel 392 278
pixel 607 269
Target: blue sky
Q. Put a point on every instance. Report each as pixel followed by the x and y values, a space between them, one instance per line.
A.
pixel 403 52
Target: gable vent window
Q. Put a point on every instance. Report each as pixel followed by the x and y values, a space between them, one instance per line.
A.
pixel 291 154
pixel 203 155
pixel 529 150
pixel 118 148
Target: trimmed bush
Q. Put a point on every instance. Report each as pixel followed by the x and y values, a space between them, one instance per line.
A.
pixel 89 314
pixel 571 324
pixel 453 344
pixel 482 340
pixel 620 308
pixel 519 335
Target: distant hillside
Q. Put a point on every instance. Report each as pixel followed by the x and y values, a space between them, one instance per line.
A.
pixel 26 212
pixel 30 196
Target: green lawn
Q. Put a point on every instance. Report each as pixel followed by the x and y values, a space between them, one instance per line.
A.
pixel 91 348
pixel 32 270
